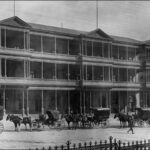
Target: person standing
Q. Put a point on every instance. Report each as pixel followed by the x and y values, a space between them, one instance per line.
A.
pixel 131 124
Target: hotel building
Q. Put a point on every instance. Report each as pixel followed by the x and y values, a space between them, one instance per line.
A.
pixel 44 67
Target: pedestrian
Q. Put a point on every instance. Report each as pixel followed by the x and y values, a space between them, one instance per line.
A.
pixel 131 124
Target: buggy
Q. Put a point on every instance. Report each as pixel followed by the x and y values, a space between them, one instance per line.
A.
pixel 142 115
pixel 101 115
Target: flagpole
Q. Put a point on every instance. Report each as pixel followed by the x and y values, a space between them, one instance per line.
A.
pixel 14 8
pixel 96 13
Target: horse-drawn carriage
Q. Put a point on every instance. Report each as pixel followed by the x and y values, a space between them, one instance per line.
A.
pixel 142 115
pixel 101 115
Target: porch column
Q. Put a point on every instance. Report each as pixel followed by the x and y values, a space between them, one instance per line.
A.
pixel 137 99
pixel 55 99
pixel 23 111
pixel 24 68
pixel 42 107
pixel 5 68
pixel 4 104
pixel 84 102
pixel 42 69
pixel 80 102
pixel 109 97
pixel 27 103
pixel 68 102
pixel 90 99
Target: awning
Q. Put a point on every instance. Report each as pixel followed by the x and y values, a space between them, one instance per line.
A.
pixel 51 88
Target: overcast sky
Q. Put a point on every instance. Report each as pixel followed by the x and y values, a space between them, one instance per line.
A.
pixel 128 18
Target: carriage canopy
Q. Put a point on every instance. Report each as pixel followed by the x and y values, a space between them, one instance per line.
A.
pixel 53 114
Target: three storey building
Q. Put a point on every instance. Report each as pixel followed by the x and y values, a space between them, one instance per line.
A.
pixel 44 67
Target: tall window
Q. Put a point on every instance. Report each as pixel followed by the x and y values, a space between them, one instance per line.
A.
pixel 115 51
pixel 122 52
pixel 131 53
pixel 106 47
pixel 14 39
pixel 49 71
pixel 62 71
pixel 48 44
pixel 89 48
pixel 35 42
pixel 61 46
pixel 98 73
pixel 74 72
pixel 97 49
pixel 35 69
pixel 74 47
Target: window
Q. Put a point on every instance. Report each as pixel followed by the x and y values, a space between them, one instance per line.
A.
pixel 61 46
pixel 35 43
pixel 48 44
pixel 74 47
pixel 98 73
pixel 89 48
pixel 115 51
pixel 106 50
pixel 62 71
pixel 97 49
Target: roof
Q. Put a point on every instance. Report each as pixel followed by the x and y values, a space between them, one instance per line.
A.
pixel 97 33
pixel 55 29
pixel 125 39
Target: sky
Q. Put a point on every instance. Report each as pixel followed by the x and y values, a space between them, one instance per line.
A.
pixel 121 18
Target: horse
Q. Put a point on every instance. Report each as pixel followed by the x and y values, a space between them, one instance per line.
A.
pixel 16 120
pixel 74 118
pixel 123 118
pixel 27 120
pixel 44 121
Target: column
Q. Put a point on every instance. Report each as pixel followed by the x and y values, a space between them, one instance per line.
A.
pixel 24 36
pixel 84 102
pixel 68 102
pixel 68 73
pixel 42 69
pixel 41 43
pixel 137 99
pixel 55 47
pixel 90 99
pixel 4 104
pixel 55 71
pixel 119 99
pixel 24 69
pixel 23 110
pixel 27 102
pixel 55 99
pixel 109 92
pixel 5 67
pixel 42 107
pixel 68 47
pixel 5 38
pixel 80 102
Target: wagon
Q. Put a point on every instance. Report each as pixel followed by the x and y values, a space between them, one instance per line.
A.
pixel 101 115
pixel 142 116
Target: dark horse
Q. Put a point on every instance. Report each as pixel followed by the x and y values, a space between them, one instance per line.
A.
pixel 16 120
pixel 27 120
pixel 123 118
pixel 43 121
pixel 72 118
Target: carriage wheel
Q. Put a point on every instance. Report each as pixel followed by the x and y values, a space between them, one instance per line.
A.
pixel 1 127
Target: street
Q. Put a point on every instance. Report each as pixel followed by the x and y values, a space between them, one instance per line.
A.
pixel 51 137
